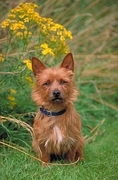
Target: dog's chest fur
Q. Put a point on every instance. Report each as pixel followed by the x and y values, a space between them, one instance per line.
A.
pixel 58 134
pixel 57 139
pixel 54 138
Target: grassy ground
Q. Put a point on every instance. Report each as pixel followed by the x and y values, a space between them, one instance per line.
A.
pixel 101 162
pixel 94 46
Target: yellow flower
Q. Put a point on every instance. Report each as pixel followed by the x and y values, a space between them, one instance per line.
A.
pixel 53 38
pixel 27 33
pixel 59 33
pixel 46 50
pixel 68 34
pixel 28 64
pixel 29 79
pixel 62 38
pixel 11 98
pixel 17 25
pixel 5 23
pixel 11 16
pixel 19 34
pixel 12 104
pixel 53 28
pixel 13 91
pixel 1 57
pixel 22 16
pixel 44 45
pixel 26 19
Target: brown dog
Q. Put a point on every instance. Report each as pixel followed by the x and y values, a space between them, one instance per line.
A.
pixel 57 126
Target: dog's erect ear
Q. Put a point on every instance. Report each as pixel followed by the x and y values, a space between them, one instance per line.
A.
pixel 68 62
pixel 37 66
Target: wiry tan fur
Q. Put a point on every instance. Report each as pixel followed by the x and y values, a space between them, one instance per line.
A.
pixel 59 135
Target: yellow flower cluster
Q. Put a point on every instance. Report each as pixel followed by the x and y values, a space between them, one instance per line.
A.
pixel 28 64
pixel 17 25
pixel 61 31
pixel 46 49
pixel 23 20
pixel 18 18
pixel 11 98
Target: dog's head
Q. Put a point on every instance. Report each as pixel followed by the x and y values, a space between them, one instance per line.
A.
pixel 54 86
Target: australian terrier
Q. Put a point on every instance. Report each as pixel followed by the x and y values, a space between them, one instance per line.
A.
pixel 57 125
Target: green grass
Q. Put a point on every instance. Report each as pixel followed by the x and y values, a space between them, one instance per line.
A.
pixel 94 46
pixel 100 161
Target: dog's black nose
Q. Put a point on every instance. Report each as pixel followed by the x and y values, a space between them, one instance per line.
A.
pixel 56 93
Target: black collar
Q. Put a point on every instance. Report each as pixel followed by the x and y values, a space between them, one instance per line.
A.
pixel 49 113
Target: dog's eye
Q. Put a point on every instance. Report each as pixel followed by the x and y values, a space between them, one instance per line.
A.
pixel 63 81
pixel 47 83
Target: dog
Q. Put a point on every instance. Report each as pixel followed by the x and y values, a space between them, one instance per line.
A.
pixel 57 125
